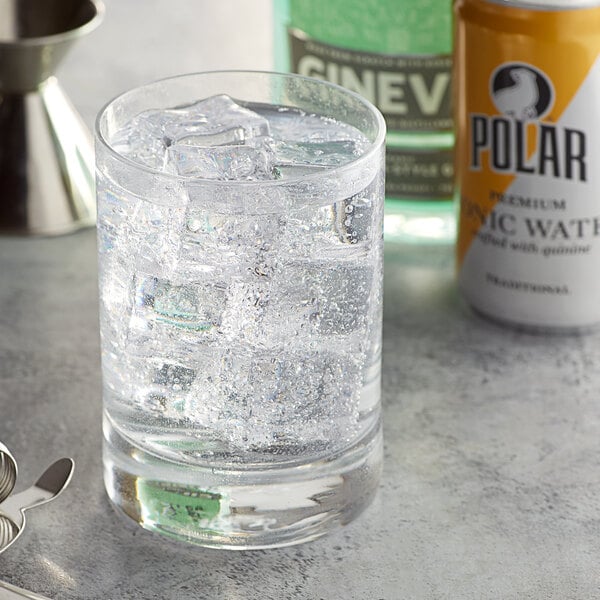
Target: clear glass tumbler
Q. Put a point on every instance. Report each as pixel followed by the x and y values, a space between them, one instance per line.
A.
pixel 240 255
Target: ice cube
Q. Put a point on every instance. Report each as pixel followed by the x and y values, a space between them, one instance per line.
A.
pixel 286 172
pixel 279 400
pixel 228 137
pixel 354 219
pixel 222 113
pixel 162 386
pixel 246 306
pixel 294 125
pixel 114 211
pixel 142 140
pixel 301 304
pixel 292 159
pixel 225 163
pixel 342 293
pixel 214 121
pixel 148 135
pixel 323 298
pixel 154 237
pixel 169 124
pixel 195 306
pixel 236 242
pixel 232 145
pixel 326 152
pixel 314 231
pixel 175 377
pixel 176 322
pixel 155 384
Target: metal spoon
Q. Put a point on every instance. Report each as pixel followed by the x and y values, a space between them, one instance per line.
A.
pixel 12 508
pixel 46 488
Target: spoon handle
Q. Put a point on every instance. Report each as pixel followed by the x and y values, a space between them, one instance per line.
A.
pixel 11 592
pixel 52 482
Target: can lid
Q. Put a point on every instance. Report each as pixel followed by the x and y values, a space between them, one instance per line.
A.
pixel 548 4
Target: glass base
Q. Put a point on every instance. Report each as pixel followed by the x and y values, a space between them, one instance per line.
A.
pixel 241 508
pixel 414 221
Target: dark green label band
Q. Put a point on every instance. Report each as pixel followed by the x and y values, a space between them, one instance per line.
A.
pixel 412 92
pixel 178 506
pixel 423 175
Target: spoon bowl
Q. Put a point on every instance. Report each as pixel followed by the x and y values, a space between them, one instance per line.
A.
pixel 12 510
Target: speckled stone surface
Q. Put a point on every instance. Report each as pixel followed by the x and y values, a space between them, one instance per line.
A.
pixel 491 486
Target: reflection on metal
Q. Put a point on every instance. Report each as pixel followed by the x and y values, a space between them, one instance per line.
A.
pixel 8 472
pixel 52 482
pixel 46 151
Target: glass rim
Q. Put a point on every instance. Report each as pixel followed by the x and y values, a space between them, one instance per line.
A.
pixel 332 171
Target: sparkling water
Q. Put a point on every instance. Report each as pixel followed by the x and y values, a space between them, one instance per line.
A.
pixel 241 323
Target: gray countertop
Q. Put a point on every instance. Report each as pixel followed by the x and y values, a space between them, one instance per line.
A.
pixel 491 486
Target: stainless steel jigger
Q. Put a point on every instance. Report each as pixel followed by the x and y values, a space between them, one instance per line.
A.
pixel 46 151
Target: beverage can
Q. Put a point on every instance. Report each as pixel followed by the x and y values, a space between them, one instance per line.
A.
pixel 527 98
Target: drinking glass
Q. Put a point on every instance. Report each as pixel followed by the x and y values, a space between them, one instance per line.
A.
pixel 240 258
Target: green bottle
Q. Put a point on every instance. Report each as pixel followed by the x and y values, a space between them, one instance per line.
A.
pixel 396 53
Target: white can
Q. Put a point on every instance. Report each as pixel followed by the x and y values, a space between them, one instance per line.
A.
pixel 527 108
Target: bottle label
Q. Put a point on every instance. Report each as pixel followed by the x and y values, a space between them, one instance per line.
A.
pixel 419 174
pixel 528 169
pixel 412 91
pixel 178 506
